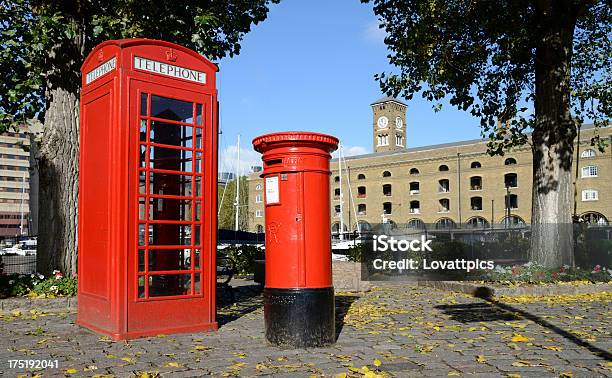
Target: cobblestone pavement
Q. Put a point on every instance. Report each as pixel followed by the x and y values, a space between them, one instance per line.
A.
pixel 395 330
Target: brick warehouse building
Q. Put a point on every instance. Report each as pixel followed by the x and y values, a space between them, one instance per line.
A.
pixel 14 183
pixel 450 185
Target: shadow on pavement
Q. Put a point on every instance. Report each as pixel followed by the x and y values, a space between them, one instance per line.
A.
pixel 236 302
pixel 343 304
pixel 493 310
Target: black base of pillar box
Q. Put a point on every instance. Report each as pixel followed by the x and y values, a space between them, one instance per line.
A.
pixel 300 318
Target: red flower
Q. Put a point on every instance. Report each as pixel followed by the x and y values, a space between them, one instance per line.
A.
pixel 555 275
pixel 516 270
pixel 597 269
pixel 562 269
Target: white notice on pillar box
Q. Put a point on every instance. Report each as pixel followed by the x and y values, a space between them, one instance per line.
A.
pixel 272 190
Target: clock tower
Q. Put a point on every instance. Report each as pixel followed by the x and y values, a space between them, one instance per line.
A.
pixel 389 124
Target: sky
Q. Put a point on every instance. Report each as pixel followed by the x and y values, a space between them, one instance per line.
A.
pixel 310 66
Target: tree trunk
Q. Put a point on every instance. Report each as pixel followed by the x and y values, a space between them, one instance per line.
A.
pixel 553 137
pixel 58 190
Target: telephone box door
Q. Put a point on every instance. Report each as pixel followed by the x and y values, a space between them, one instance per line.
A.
pixel 169 259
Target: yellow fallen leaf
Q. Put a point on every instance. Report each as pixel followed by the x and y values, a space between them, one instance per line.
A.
pixel 552 347
pixel 340 375
pixel 128 359
pixel 172 364
pixel 481 359
pixel 453 373
pixel 514 375
pixel 517 337
pixel 566 374
pixel 71 371
pixel 377 362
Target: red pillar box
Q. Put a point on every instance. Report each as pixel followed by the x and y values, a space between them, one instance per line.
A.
pixel 147 203
pixel 298 293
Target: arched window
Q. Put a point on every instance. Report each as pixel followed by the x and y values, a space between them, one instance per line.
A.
pixel 386 190
pixel 595 219
pixel 386 174
pixel 414 171
pixel 589 153
pixel 590 171
pixel 477 222
pixel 387 208
pixel 475 183
pixel 590 195
pixel 513 221
pixel 475 164
pixel 444 205
pixel 443 186
pixel 415 187
pixel 361 176
pixel 415 207
pixel 363 226
pixel 445 223
pixel 259 228
pixel 416 224
pixel 476 203
pixel 510 180
pixel 361 209
pixel 443 168
pixel 258 187
pixel 361 192
pixel 510 161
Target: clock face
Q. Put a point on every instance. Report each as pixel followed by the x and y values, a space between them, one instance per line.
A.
pixel 383 122
pixel 399 123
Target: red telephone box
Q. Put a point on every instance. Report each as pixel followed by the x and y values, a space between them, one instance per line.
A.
pixel 298 293
pixel 147 190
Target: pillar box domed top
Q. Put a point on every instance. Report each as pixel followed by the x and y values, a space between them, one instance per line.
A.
pixel 293 151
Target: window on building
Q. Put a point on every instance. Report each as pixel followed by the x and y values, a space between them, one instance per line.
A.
pixel 414 187
pixel 414 172
pixel 361 192
pixel 590 195
pixel 258 199
pixel 258 187
pixel 386 190
pixel 511 201
pixel 510 161
pixel 399 140
pixel 477 222
pixel 387 207
pixel 415 207
pixel 475 183
pixel 337 210
pixel 336 178
pixel 594 219
pixel 259 228
pixel 475 164
pixel 258 213
pixel 590 171
pixel 510 180
pixel 416 224
pixel 443 168
pixel 444 205
pixel 337 193
pixel 361 209
pixel 386 174
pixel 445 223
pixel 383 140
pixel 443 186
pixel 513 221
pixel 589 153
pixel 361 176
pixel 476 203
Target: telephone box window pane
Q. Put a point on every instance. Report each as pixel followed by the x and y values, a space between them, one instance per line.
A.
pixel 198 210
pixel 170 159
pixel 143 104
pixel 198 138
pixel 171 134
pixel 196 259
pixel 169 259
pixel 142 186
pixel 141 209
pixel 143 130
pixel 170 184
pixel 141 286
pixel 198 186
pixel 169 209
pixel 199 112
pixel 196 282
pixel 141 234
pixel 141 260
pixel 164 285
pixel 169 234
pixel 196 235
pixel 143 156
pixel 168 108
pixel 198 162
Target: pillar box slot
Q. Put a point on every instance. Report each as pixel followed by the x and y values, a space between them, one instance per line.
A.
pixel 147 190
pixel 298 293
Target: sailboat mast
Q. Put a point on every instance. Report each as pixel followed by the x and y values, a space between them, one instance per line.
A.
pixel 341 193
pixel 237 185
